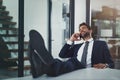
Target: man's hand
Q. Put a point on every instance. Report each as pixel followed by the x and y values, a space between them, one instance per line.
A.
pixel 75 37
pixel 100 66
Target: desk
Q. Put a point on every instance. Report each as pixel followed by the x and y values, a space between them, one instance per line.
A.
pixel 82 74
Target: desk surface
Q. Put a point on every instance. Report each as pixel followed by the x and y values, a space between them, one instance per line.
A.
pixel 82 74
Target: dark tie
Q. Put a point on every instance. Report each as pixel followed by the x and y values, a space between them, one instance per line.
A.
pixel 84 55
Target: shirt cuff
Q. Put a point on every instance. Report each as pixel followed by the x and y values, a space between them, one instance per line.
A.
pixel 107 65
pixel 69 42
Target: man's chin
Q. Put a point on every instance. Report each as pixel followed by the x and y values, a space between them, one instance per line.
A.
pixel 85 35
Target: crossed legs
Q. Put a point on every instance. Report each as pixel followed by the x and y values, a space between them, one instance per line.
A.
pixel 42 61
pixel 38 55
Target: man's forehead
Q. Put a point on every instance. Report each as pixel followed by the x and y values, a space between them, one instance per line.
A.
pixel 83 26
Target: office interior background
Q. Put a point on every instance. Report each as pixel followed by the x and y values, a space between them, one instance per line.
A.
pixel 56 20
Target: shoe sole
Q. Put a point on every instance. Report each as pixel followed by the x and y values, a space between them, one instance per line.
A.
pixel 36 64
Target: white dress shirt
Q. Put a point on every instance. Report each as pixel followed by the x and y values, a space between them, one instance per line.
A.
pixel 80 51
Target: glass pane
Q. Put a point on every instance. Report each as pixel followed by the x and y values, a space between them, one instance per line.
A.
pixel 59 25
pixel 105 20
pixel 35 17
pixel 8 38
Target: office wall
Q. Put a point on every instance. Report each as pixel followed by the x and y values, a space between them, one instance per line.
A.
pixel 80 13
pixel 36 17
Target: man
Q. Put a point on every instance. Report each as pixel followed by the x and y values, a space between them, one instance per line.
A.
pixel 42 62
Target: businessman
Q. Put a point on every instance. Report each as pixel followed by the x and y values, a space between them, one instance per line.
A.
pixel 90 53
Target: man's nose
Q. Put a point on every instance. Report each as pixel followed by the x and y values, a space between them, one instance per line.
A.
pixel 80 30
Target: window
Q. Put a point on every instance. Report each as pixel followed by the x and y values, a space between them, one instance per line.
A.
pixel 105 21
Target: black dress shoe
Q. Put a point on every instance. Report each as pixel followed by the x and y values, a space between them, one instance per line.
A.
pixel 36 63
pixel 37 43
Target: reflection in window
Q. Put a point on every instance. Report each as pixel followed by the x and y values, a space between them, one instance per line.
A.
pixel 59 25
pixel 105 21
pixel 106 17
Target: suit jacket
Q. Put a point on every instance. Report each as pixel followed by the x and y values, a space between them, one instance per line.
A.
pixel 100 52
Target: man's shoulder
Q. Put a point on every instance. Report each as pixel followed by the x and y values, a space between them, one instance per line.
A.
pixel 99 41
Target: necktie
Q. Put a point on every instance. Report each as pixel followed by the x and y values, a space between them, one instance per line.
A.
pixel 84 55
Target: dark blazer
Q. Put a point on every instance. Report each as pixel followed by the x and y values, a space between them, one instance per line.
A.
pixel 100 52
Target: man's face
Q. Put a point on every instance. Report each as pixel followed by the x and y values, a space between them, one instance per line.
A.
pixel 84 31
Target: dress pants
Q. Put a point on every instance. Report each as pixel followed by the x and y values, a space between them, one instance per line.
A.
pixel 60 67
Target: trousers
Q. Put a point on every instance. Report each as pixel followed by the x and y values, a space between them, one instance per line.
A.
pixel 60 67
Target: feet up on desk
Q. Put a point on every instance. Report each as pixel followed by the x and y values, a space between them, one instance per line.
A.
pixel 42 57
pixel 36 64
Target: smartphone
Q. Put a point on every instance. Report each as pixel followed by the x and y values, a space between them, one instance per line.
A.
pixel 80 36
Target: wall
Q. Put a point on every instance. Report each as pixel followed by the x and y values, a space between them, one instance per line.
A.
pixel 80 13
pixel 36 17
pixel 57 27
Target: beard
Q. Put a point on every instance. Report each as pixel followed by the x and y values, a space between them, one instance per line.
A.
pixel 87 34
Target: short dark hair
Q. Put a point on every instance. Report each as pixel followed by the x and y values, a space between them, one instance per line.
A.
pixel 85 25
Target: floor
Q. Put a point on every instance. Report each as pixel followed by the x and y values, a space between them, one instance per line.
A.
pixel 7 74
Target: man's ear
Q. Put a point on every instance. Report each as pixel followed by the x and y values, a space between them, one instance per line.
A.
pixel 91 31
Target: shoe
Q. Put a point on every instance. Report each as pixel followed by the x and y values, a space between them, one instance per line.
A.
pixel 37 43
pixel 36 64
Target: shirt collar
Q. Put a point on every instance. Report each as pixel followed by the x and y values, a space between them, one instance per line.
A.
pixel 89 40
